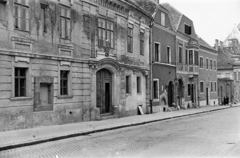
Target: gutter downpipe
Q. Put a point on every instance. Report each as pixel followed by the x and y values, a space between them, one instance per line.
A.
pixel 151 65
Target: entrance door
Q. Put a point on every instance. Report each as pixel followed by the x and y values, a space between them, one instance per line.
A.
pixel 207 95
pixel 104 83
pixel 170 94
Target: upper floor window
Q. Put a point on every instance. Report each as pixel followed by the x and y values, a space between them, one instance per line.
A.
pixel 190 57
pixel 238 76
pixel 206 63
pixel 44 15
pixel 201 62
pixel 130 40
pixel 65 22
pixel 162 19
pixel 141 43
pixel 188 29
pixel 235 76
pixel 168 54
pixel 105 33
pixel 211 64
pixel 21 15
pixel 157 51
pixel 211 86
pixel 186 56
pixel 180 54
pixel 196 57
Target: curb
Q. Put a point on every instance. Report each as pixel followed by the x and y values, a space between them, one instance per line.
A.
pixel 44 140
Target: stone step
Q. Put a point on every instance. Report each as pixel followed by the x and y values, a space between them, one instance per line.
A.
pixel 108 116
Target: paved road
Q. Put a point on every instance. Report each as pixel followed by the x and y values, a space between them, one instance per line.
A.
pixel 215 134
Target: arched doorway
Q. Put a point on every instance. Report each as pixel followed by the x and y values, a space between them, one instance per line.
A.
pixel 104 91
pixel 180 92
pixel 170 94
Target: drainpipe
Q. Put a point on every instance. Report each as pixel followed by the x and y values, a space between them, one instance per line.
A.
pixel 150 64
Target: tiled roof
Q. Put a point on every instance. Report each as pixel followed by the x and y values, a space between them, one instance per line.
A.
pixel 204 43
pixel 224 59
pixel 174 14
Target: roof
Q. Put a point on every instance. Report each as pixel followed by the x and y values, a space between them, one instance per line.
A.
pixel 204 44
pixel 224 60
pixel 148 6
pixel 175 15
pixel 235 34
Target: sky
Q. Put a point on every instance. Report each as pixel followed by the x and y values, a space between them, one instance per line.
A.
pixel 213 19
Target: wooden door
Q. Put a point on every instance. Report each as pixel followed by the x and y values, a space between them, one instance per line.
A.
pixel 104 90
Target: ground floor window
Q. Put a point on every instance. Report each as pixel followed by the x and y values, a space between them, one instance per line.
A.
pixel 155 89
pixel 201 87
pixel 20 82
pixel 64 82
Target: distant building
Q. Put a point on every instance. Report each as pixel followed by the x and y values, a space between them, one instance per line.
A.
pixel 232 42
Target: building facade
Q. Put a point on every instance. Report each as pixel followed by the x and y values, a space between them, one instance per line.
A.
pixel 163 61
pixel 208 91
pixel 69 61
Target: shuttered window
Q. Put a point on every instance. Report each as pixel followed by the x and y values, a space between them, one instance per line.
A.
pixel 21 15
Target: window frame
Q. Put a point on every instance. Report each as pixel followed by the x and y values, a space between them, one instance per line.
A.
pixel 159 51
pixel 201 63
pixel 17 94
pixel 18 8
pixel 189 89
pixel 180 54
pixel 187 29
pixel 44 8
pixel 212 87
pixel 66 19
pixel 62 80
pixel 163 19
pixel 103 40
pixel 206 59
pixel 157 90
pixel 211 64
pixel 142 43
pixel 130 37
pixel 215 86
pixel 169 55
pixel 191 59
pixel 215 65
pixel 186 56
pixel 139 84
pixel 128 84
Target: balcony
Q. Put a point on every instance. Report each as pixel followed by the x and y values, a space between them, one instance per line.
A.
pixel 193 70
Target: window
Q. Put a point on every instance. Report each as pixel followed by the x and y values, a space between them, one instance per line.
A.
pixel 20 82
pixel 190 57
pixel 188 30
pixel 211 86
pixel 215 86
pixel 238 76
pixel 138 84
pixel 105 33
pixel 201 62
pixel 130 40
pixel 157 51
pixel 64 82
pixel 201 87
pixel 128 84
pixel 189 89
pixel 21 15
pixel 65 22
pixel 186 55
pixel 44 17
pixel 215 65
pixel 180 54
pixel 168 55
pixel 155 89
pixel 206 63
pixel 235 76
pixel 141 43
pixel 162 19
pixel 210 64
pixel 196 57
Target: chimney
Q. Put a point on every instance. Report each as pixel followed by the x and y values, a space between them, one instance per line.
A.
pixel 221 44
pixel 216 44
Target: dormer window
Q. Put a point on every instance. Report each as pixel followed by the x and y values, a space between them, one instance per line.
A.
pixel 188 29
pixel 162 19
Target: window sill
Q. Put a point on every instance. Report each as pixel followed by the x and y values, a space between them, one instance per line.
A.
pixel 64 96
pixel 20 98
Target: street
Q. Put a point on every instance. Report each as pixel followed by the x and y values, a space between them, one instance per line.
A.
pixel 215 134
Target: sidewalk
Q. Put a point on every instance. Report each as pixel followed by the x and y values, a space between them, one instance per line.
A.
pixel 25 137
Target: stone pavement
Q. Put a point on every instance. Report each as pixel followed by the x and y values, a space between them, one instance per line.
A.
pixel 25 137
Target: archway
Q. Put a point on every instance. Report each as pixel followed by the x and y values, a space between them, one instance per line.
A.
pixel 170 94
pixel 104 91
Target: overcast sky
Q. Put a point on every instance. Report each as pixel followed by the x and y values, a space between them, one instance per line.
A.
pixel 213 19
